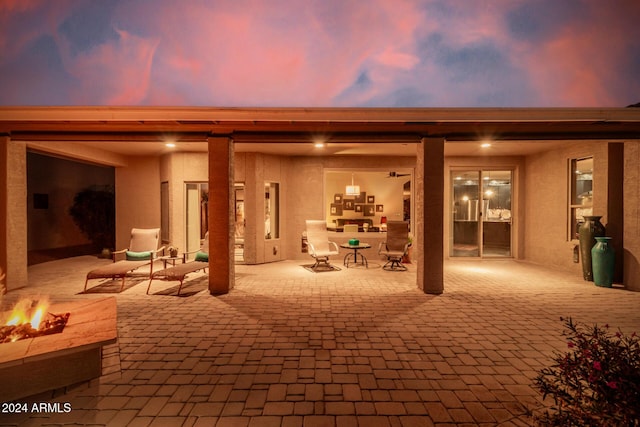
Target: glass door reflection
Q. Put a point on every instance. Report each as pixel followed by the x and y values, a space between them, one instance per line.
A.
pixel 496 214
pixel 466 213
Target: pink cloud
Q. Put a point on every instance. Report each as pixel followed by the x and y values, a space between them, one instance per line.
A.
pixel 327 52
pixel 115 73
pixel 579 67
pixel 304 54
pixel 24 21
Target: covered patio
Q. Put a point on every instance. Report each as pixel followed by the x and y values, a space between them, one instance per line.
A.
pixel 435 141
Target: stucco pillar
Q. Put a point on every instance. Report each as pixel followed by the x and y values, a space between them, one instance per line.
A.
pixel 221 215
pixel 631 212
pixel 615 202
pixel 430 215
pixel 13 203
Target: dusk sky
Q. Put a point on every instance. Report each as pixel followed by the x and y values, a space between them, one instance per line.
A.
pixel 321 53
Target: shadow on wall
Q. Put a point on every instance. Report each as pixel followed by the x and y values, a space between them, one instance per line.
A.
pixel 631 269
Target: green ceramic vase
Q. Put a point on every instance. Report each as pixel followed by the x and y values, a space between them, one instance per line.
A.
pixel 603 258
pixel 589 230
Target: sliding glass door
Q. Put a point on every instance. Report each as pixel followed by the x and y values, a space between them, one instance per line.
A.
pixel 496 217
pixel 466 213
pixel 481 213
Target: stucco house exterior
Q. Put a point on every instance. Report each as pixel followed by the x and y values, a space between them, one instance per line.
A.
pixel 478 183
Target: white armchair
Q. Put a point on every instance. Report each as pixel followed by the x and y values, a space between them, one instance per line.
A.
pixel 320 248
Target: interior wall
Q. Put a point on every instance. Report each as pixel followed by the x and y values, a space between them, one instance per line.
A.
pixel 137 197
pixel 306 199
pixel 631 212
pixel 387 191
pixel 547 200
pixel 60 180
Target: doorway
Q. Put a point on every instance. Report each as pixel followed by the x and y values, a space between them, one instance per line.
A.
pixel 197 214
pixel 481 213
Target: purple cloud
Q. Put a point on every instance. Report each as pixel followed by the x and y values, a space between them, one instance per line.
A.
pixel 320 53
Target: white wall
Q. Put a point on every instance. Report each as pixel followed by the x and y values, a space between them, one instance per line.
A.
pixel 547 197
pixel 137 197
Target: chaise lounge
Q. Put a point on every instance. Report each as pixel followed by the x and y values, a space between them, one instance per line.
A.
pixel 142 250
pixel 179 272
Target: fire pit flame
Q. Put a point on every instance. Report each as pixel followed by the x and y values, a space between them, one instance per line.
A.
pixel 30 319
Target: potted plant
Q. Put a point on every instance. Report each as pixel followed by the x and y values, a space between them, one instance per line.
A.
pixel 406 259
pixel 93 211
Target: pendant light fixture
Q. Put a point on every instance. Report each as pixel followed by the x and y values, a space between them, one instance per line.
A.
pixel 352 190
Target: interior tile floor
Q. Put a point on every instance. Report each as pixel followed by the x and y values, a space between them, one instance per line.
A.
pixel 355 347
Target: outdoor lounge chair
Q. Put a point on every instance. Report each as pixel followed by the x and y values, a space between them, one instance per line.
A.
pixel 142 250
pixel 396 246
pixel 180 271
pixel 320 248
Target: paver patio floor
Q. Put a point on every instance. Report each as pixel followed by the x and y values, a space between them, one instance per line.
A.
pixel 356 347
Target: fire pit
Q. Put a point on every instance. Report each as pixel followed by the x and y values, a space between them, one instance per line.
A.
pixel 30 319
pixel 44 360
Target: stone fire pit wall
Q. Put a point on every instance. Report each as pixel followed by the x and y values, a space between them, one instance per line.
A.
pixel 36 365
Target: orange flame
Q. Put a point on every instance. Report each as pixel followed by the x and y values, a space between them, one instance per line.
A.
pixel 28 311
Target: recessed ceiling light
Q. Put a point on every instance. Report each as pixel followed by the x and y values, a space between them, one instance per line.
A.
pixel 319 145
pixel 170 144
pixel 485 145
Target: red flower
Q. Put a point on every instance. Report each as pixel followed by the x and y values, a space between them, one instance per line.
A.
pixel 597 366
pixel 612 384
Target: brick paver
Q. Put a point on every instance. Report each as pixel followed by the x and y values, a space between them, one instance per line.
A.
pixel 354 347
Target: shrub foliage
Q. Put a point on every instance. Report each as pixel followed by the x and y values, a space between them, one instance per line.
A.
pixel 93 211
pixel 596 382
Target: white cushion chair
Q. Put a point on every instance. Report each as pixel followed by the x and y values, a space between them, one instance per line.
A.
pixel 320 247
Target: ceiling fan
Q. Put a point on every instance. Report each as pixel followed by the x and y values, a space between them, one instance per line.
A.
pixel 397 175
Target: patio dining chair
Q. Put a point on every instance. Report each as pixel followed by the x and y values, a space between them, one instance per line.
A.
pixel 396 245
pixel 320 247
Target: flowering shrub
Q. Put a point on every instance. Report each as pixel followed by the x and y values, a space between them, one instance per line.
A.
pixel 597 382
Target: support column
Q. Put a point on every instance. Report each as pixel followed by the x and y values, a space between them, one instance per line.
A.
pixel 221 215
pixel 615 203
pixel 13 206
pixel 430 215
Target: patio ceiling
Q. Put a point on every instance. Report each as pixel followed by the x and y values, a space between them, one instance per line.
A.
pixel 345 131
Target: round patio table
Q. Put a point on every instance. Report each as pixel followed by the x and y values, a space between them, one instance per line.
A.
pixel 355 254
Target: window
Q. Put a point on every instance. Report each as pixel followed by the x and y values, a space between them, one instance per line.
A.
pixel 164 212
pixel 197 213
pixel 271 210
pixel 581 200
